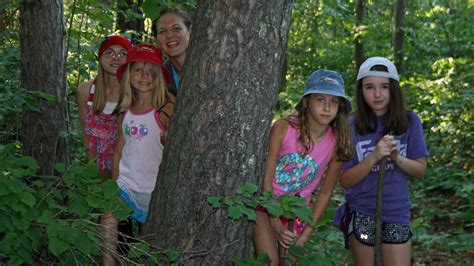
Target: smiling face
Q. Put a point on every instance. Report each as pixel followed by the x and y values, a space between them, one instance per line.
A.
pixel 142 76
pixel 323 108
pixel 376 92
pixel 172 35
pixel 112 58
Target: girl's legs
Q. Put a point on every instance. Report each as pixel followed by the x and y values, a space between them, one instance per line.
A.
pixel 264 238
pixel 396 254
pixel 110 238
pixel 361 254
pixel 392 254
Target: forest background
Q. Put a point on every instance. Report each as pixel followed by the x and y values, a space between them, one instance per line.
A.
pixel 37 224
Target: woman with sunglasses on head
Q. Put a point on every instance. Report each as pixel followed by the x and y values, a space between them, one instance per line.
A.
pixel 97 100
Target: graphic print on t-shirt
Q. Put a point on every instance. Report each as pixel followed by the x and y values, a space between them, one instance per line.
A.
pixel 137 131
pixel 295 171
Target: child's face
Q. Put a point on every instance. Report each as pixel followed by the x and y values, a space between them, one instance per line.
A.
pixel 142 76
pixel 112 58
pixel 376 91
pixel 323 108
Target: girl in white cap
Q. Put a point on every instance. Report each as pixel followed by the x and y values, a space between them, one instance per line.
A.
pixel 303 148
pixel 381 126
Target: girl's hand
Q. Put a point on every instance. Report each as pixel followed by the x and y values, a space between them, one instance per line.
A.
pixel 385 147
pixel 284 236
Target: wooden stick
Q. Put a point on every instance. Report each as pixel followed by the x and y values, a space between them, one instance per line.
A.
pixel 378 214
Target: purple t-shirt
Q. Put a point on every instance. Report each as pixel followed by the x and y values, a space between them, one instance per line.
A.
pixel 362 197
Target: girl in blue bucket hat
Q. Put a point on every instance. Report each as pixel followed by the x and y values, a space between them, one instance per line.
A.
pixel 303 148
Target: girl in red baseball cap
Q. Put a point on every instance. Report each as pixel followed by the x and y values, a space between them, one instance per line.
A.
pixel 144 111
pixel 97 100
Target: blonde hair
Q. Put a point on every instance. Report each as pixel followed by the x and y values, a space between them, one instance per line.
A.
pixel 344 147
pixel 128 96
pixel 98 103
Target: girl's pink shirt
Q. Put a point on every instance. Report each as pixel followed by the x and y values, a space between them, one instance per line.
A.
pixel 296 173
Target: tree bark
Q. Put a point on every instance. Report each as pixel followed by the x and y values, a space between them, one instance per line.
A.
pixel 399 34
pixel 359 55
pixel 42 69
pixel 218 137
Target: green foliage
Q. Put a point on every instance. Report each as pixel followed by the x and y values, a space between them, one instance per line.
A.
pixel 48 219
pixel 246 201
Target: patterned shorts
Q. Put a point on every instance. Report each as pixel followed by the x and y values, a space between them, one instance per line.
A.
pixel 363 227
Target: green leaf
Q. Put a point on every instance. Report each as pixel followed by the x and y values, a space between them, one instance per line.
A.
pixel 27 161
pixel 247 189
pixel 94 202
pixel 151 9
pixel 214 201
pixel 45 217
pixel 235 213
pixel 28 199
pixel 52 229
pixel 172 255
pixel 274 209
pixel 296 251
pixel 250 213
pixel 123 211
pixel 78 207
pixel 57 246
pixel 229 201
pixel 85 245
pixel 137 250
pixel 110 187
pixel 60 167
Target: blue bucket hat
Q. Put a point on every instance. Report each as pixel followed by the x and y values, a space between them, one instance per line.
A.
pixel 325 82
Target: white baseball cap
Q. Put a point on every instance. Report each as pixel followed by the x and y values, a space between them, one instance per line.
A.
pixel 364 70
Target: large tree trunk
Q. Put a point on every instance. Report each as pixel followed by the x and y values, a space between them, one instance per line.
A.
pixel 218 137
pixel 359 55
pixel 399 34
pixel 42 69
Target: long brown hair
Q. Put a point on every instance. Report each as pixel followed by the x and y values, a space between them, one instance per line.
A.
pixel 344 147
pixel 396 118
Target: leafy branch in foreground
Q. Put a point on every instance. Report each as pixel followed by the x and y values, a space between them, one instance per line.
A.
pixel 246 201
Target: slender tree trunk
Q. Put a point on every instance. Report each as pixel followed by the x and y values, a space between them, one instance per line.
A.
pixel 42 69
pixel 378 214
pixel 359 55
pixel 399 34
pixel 219 135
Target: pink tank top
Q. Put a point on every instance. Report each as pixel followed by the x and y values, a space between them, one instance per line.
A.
pixel 296 173
pixel 142 152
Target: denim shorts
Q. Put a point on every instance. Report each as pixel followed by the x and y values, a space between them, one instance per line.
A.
pixel 363 227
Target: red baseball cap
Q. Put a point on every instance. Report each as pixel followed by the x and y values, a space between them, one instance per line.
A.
pixel 148 53
pixel 114 40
